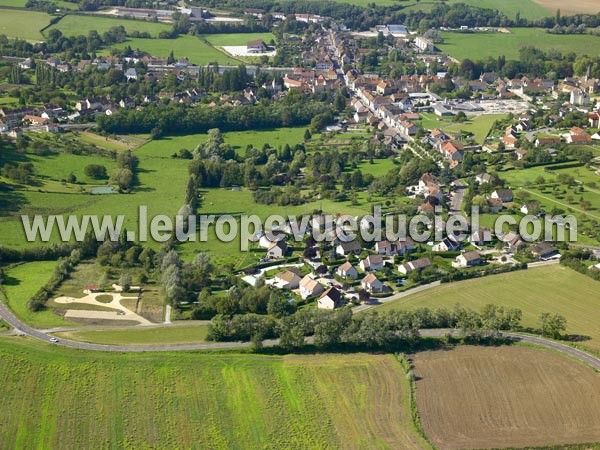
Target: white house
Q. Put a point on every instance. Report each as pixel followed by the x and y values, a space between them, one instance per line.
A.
pixel 348 248
pixel 417 264
pixel 371 283
pixel 347 270
pixel 277 250
pixel 330 299
pixel 467 259
pixel 309 287
pixel 372 263
pixel 287 280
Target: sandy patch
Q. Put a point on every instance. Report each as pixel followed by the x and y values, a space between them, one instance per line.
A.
pixel 242 50
pixel 123 313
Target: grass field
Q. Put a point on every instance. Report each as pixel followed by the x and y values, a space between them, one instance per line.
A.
pixel 483 45
pixel 233 39
pixel 179 334
pixel 24 280
pixel 76 25
pixel 479 397
pixel 553 289
pixel 22 3
pixel 529 9
pixel 23 24
pixel 197 51
pixel 479 126
pixel 70 399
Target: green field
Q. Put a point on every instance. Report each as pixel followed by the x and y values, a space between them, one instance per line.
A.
pixel 479 126
pixel 76 25
pixel 527 8
pixel 22 282
pixel 197 51
pixel 23 24
pixel 22 3
pixel 237 39
pixel 179 334
pixel 62 398
pixel 483 45
pixel 553 289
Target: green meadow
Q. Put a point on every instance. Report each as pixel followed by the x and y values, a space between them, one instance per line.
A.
pixel 63 398
pixel 174 334
pixel 23 24
pixel 479 126
pixel 76 25
pixel 196 50
pixel 484 45
pixel 528 9
pixel 553 289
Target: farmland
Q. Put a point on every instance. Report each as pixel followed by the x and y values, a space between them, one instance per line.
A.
pixel 529 9
pixel 197 51
pixel 57 397
pixel 76 25
pixel 484 45
pixel 23 24
pixel 553 289
pixel 478 397
pixel 569 7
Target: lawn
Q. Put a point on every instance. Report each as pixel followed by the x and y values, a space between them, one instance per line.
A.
pixel 553 289
pixel 76 25
pixel 477 46
pixel 54 397
pixel 479 126
pixel 197 51
pixel 23 24
pixel 237 39
pixel 174 334
pixel 58 166
pixel 22 3
pixel 21 283
pixel 527 8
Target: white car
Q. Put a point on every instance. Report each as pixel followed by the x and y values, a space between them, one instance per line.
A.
pixel 54 340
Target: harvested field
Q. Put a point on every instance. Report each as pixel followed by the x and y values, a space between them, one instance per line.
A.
pixel 485 397
pixel 571 7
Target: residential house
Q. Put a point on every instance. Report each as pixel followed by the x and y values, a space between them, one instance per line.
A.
pixel 467 259
pixel 371 283
pixel 417 264
pixel 348 248
pixel 256 46
pixel 310 287
pixel 330 299
pixel 550 140
pixel 288 279
pixel 448 244
pixel 543 250
pixel 484 178
pixel 481 237
pixel 347 270
pixel 371 263
pixel 277 250
pixel 504 195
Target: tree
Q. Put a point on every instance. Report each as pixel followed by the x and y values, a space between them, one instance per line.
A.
pixel 96 171
pixel 125 282
pixel 307 135
pixel 552 325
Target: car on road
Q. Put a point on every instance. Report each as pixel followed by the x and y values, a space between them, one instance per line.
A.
pixel 54 340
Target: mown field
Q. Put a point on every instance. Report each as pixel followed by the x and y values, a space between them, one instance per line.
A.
pixel 197 51
pixel 478 397
pixel 570 7
pixel 76 25
pixel 23 24
pixel 59 398
pixel 174 334
pixel 529 9
pixel 483 45
pixel 479 126
pixel 553 289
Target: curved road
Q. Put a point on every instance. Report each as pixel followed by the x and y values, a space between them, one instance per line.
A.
pixel 22 328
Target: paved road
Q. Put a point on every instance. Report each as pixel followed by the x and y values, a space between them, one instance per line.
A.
pixel 11 319
pixel 457 197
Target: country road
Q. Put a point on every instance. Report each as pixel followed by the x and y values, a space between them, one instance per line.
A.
pixel 22 328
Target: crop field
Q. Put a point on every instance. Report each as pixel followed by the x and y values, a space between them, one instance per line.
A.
pixel 553 289
pixel 223 40
pixel 570 7
pixel 70 399
pixel 529 9
pixel 23 24
pixel 197 51
pixel 174 334
pixel 483 45
pixel 76 25
pixel 482 397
